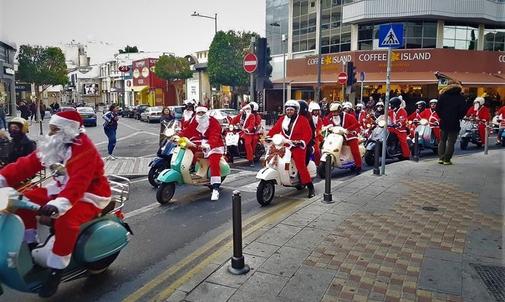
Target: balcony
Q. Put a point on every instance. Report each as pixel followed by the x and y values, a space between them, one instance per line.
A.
pixel 490 12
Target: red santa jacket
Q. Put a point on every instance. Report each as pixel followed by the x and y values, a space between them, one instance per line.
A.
pixel 432 117
pixel 482 114
pixel 299 130
pixel 398 118
pixel 248 124
pixel 187 117
pixel 257 122
pixel 347 121
pixel 84 181
pixel 501 116
pixel 362 118
pixel 416 115
pixel 317 127
pixel 212 134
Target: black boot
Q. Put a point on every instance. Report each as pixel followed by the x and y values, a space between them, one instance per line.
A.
pixel 251 163
pixel 357 170
pixel 32 245
pixel 311 194
pixel 50 286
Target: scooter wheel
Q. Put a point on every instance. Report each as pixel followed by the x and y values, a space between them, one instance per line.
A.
pixel 369 158
pixel 102 265
pixel 463 144
pixel 265 192
pixel 153 175
pixel 165 192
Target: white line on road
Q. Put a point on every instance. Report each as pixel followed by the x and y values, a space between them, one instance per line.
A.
pixel 138 180
pixel 142 210
pixel 126 137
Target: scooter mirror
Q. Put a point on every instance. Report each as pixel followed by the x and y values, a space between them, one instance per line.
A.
pixel 277 139
pixel 382 123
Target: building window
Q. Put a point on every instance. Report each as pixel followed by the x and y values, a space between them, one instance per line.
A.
pixel 277 15
pixel 335 37
pixel 494 39
pixel 416 35
pixel 460 36
pixel 304 25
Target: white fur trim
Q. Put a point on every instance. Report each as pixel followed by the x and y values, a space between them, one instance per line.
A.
pixel 31 236
pixel 99 201
pixel 62 204
pixel 58 262
pixel 41 255
pixel 201 109
pixel 3 182
pixel 65 124
pixel 215 180
pixel 217 150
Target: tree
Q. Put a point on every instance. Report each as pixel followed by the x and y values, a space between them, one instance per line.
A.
pixel 129 49
pixel 172 68
pixel 226 54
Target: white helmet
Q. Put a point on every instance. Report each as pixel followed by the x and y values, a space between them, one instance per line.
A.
pixel 433 101
pixel 189 102
pixel 314 106
pixel 479 100
pixel 360 105
pixel 335 106
pixel 254 106
pixel 247 107
pixel 293 104
pixel 379 104
pixel 347 105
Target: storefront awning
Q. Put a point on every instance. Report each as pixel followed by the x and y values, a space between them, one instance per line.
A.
pixel 421 78
pixel 139 88
pixel 478 79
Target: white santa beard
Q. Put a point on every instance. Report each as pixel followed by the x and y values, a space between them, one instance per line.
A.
pixel 315 119
pixel 285 123
pixel 187 114
pixel 336 120
pixel 203 124
pixel 476 106
pixel 53 149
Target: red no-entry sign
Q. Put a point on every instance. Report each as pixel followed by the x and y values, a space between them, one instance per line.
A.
pixel 342 78
pixel 250 62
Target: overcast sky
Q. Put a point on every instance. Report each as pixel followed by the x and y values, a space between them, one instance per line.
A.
pixel 107 25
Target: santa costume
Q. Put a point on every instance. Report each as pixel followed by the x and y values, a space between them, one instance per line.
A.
pixel 481 115
pixel 188 113
pixel 316 123
pixel 205 131
pixel 397 116
pixel 295 128
pixel 73 199
pixel 431 115
pixel 247 121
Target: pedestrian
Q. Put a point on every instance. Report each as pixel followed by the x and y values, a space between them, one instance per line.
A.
pixel 451 109
pixel 33 111
pixel 42 109
pixel 110 127
pixel 3 121
pixel 166 117
pixel 25 111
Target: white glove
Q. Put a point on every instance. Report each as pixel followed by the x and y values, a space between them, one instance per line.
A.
pixel 205 146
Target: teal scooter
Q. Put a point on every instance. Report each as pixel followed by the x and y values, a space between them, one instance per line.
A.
pixel 98 245
pixel 182 170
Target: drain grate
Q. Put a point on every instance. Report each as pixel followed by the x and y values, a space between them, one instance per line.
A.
pixel 430 209
pixel 494 278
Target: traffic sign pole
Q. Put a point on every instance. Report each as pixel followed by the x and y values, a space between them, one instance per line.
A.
pixel 386 113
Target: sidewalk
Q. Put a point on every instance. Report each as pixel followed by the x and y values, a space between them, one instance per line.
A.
pixel 424 232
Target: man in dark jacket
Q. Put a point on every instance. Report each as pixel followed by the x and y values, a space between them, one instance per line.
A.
pixel 21 145
pixel 451 109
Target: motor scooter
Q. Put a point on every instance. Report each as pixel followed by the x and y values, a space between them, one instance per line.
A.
pixel 426 139
pixel 393 149
pixel 164 154
pixel 334 145
pixel 469 133
pixel 183 172
pixel 99 243
pixel 235 145
pixel 280 169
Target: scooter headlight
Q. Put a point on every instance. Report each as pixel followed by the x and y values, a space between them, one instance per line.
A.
pixel 382 123
pixel 423 122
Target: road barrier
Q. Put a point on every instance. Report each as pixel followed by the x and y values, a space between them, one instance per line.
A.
pixel 327 198
pixel 238 266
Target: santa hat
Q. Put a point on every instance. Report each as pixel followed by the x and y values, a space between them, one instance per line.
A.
pixel 479 100
pixel 69 122
pixel 201 109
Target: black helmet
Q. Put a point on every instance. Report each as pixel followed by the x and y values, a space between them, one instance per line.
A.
pixel 304 108
pixel 395 102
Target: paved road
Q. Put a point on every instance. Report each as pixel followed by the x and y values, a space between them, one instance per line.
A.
pixel 164 235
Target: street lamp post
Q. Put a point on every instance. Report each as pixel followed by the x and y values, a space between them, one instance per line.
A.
pixel 195 14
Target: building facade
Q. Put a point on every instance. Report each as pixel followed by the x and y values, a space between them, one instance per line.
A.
pixel 7 76
pixel 462 39
pixel 198 87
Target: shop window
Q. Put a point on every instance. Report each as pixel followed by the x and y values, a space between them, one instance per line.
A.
pixel 459 36
pixel 494 39
pixel 429 43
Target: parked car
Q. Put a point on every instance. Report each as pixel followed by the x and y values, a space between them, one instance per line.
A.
pixel 139 110
pixel 67 109
pixel 127 111
pixel 222 115
pixel 151 114
pixel 88 116
pixel 177 111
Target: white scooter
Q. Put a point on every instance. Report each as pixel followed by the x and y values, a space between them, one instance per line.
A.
pixel 279 169
pixel 341 156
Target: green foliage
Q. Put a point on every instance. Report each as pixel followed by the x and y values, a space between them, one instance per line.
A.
pixel 129 49
pixel 42 65
pixel 226 55
pixel 172 68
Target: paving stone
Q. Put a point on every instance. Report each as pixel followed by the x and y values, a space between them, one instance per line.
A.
pixel 279 235
pixel 300 219
pixel 308 284
pixel 345 209
pixel 208 292
pixel 307 239
pixel 177 296
pixel 482 242
pixel 327 222
pixel 440 254
pixel 473 288
pixel 260 249
pixel 261 287
pixel 284 262
pixel 198 278
pixel 441 276
pixel 223 277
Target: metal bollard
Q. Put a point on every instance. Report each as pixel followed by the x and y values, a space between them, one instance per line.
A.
pixel 238 266
pixel 486 145
pixel 377 154
pixel 327 198
pixel 415 157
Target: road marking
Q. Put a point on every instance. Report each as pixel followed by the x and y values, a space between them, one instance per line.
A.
pixel 126 137
pixel 142 210
pixel 251 224
pixel 138 180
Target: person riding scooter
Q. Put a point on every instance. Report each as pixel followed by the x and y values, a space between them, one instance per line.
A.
pixel 258 130
pixel 294 127
pixel 501 125
pixel 247 122
pixel 480 114
pixel 74 199
pixel 415 117
pixel 431 115
pixel 21 145
pixel 207 129
pixel 340 116
pixel 361 114
pixel 316 123
pixel 397 124
pixel 188 113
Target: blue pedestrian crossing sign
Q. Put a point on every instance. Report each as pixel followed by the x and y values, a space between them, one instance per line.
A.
pixel 391 35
